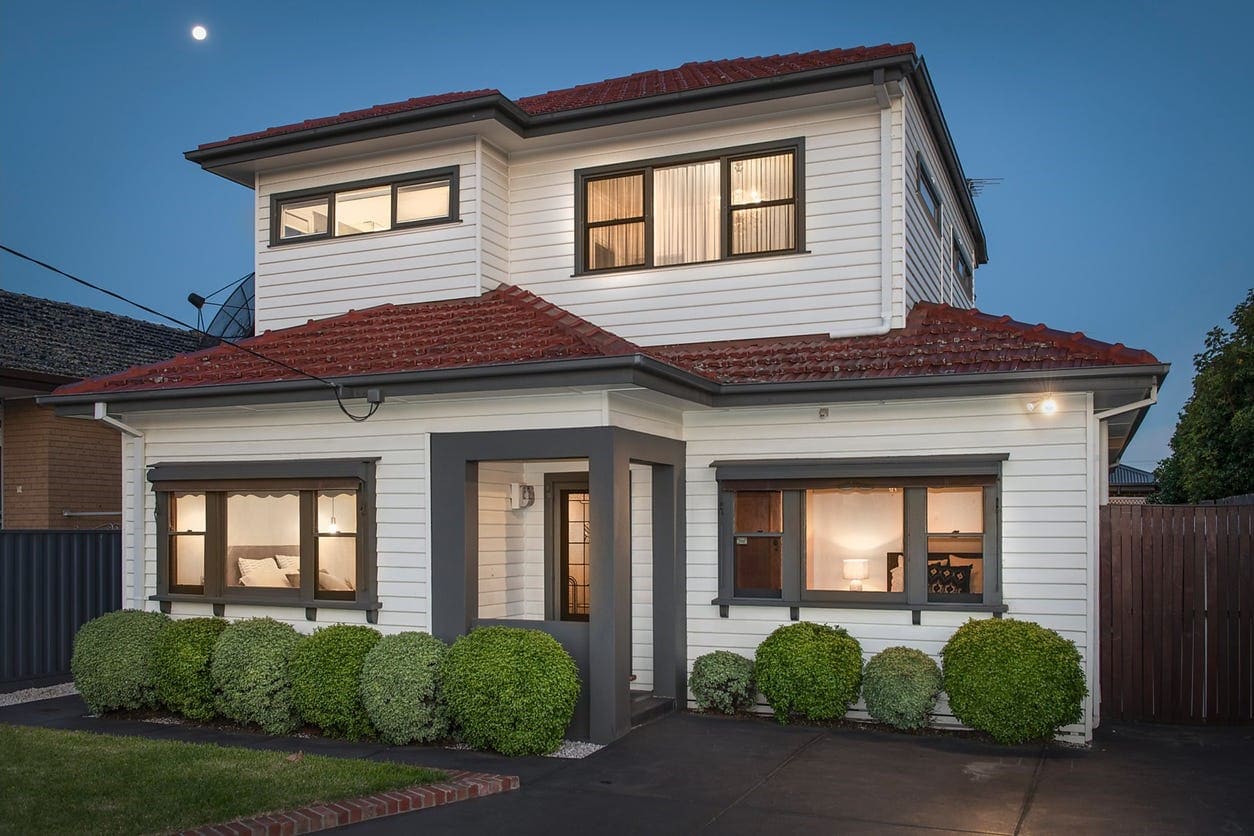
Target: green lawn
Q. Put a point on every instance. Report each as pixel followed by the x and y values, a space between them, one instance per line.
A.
pixel 75 782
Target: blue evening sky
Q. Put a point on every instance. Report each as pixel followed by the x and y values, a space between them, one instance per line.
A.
pixel 1121 132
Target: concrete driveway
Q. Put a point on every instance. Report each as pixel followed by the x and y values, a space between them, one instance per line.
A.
pixel 687 773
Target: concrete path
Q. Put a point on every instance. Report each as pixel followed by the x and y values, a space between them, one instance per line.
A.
pixel 686 773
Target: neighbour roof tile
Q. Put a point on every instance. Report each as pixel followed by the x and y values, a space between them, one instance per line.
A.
pixel 57 339
pixel 691 76
pixel 511 325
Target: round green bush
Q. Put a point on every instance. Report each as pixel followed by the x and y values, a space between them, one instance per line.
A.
pixel 326 679
pixel 112 661
pixel 510 689
pixel 181 666
pixel 249 671
pixel 722 681
pixel 900 686
pixel 400 688
pixel 809 670
pixel 1015 680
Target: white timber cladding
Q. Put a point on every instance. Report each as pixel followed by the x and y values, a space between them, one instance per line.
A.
pixel 835 286
pixel 494 229
pixel 929 268
pixel 296 282
pixel 1046 513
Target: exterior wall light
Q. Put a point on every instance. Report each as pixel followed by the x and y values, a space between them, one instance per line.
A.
pixel 1045 406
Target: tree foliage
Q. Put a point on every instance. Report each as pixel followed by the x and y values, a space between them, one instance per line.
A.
pixel 1212 449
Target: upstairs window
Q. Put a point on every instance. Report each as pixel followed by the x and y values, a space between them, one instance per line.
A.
pixel 963 273
pixel 929 193
pixel 690 210
pixel 418 199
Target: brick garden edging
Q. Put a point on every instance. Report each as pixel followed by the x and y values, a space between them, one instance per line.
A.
pixel 460 786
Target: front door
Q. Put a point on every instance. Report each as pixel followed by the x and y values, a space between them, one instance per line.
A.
pixel 569 546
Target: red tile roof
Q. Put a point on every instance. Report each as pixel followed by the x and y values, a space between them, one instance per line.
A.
pixel 506 325
pixel 510 325
pixel 937 340
pixel 691 76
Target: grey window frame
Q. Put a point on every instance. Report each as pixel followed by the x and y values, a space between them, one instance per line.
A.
pixel 554 485
pixel 450 173
pixel 914 475
pixel 724 156
pixel 305 477
pixel 965 280
pixel 923 181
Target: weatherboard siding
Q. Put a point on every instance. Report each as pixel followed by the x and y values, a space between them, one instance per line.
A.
pixel 835 285
pixel 1046 514
pixel 316 279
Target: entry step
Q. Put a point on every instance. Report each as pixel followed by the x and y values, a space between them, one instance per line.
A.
pixel 645 707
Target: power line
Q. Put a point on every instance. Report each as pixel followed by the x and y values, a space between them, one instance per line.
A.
pixel 335 387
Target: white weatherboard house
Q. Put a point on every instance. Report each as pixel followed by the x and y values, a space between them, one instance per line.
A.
pixel 654 365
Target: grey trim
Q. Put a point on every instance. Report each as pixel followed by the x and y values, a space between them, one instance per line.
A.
pixel 554 484
pixel 978 464
pixel 856 605
pixel 274 469
pixel 915 545
pixel 609 452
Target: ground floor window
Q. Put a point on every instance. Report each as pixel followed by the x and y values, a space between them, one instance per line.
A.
pixel 282 538
pixel 903 539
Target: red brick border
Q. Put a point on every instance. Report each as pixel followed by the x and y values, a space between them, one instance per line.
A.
pixel 460 786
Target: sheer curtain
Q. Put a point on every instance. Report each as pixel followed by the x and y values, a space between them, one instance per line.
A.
pixel 686 214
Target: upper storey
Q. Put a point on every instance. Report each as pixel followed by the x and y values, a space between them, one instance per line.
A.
pixel 802 194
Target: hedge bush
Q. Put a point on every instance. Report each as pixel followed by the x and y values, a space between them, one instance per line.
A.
pixel 809 670
pixel 722 681
pixel 326 679
pixel 249 672
pixel 181 666
pixel 900 686
pixel 400 688
pixel 1016 680
pixel 112 660
pixel 510 689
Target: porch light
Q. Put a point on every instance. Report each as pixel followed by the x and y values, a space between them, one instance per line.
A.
pixel 855 570
pixel 1045 406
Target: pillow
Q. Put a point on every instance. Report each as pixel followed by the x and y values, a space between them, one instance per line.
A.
pixel 333 583
pixel 248 565
pixel 288 562
pixel 265 576
pixel 977 569
pixel 948 580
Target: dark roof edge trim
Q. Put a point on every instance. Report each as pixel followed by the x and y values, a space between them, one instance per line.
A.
pixel 633 369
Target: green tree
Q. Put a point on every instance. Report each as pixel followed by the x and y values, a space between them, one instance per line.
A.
pixel 1212 449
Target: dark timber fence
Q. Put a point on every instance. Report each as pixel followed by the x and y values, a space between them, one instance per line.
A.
pixel 1177 613
pixel 51 582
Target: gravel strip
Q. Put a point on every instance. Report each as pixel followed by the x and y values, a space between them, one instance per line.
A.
pixel 575 749
pixel 33 694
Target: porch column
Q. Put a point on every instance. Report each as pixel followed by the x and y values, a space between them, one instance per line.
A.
pixel 609 623
pixel 670 651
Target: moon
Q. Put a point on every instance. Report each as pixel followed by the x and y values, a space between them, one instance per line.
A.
pixel 199 32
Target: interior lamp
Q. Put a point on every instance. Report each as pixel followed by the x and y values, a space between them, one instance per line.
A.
pixel 855 570
pixel 332 527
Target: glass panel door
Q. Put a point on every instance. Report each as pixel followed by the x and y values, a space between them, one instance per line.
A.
pixel 575 555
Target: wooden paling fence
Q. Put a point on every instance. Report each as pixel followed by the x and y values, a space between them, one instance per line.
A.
pixel 1177 613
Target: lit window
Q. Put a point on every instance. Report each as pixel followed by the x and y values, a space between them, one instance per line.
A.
pixel 416 199
pixel 852 536
pixel 363 210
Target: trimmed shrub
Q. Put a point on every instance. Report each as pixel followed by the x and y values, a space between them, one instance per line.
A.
pixel 510 689
pixel 181 666
pixel 113 660
pixel 326 679
pixel 400 688
pixel 900 686
pixel 1016 680
pixel 249 671
pixel 722 681
pixel 809 670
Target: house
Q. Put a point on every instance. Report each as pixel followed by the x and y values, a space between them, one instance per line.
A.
pixel 654 365
pixel 58 472
pixel 1130 485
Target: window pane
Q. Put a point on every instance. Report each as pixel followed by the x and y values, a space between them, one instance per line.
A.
pixel 187 560
pixel 931 200
pixel 263 539
pixel 954 510
pixel 337 566
pixel 761 178
pixel 615 198
pixel 686 214
pixel 759 511
pixel 363 210
pixel 759 567
pixel 422 201
pixel 187 512
pixel 298 218
pixel 763 229
pixel 337 512
pixel 620 245
pixel 955 544
pixel 855 540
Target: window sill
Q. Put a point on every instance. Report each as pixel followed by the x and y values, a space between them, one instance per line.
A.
pixel 724 603
pixel 439 223
pixel 371 608
pixel 612 271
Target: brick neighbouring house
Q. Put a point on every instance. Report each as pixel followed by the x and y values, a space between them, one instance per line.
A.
pixel 65 472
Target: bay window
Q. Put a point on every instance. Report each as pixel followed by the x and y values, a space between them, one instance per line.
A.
pixel 692 209
pixel 915 533
pixel 274 533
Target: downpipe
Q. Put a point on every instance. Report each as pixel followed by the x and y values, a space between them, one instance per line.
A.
pixel 100 412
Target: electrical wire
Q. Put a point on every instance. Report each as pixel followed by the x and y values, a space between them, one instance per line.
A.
pixel 337 388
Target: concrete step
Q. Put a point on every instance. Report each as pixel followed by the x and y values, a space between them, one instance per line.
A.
pixel 645 707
